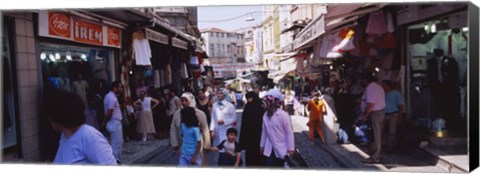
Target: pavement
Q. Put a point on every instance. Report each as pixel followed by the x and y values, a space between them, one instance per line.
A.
pixel 316 155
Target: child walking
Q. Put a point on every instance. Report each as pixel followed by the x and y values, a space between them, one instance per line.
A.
pixel 191 144
pixel 229 150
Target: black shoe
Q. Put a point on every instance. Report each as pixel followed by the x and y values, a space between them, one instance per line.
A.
pixel 119 163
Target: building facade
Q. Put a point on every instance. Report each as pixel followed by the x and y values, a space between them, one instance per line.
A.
pixel 184 19
pixel 224 48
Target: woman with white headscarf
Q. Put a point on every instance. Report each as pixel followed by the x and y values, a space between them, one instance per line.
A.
pixel 188 100
pixel 224 116
pixel 277 140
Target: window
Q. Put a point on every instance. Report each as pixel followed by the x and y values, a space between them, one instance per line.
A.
pixel 218 34
pixel 228 48
pixel 223 49
pixel 212 49
pixel 218 49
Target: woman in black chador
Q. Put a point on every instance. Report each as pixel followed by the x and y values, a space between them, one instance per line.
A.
pixel 251 130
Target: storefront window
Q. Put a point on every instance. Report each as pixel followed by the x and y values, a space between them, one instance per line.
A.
pixel 437 52
pixel 77 69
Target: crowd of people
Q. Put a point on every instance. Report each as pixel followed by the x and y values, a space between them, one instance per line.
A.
pixel 206 121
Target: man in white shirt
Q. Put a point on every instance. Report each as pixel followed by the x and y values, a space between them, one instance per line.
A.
pixel 373 105
pixel 277 139
pixel 113 118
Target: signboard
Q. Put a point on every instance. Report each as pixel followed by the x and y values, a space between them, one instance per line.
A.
pixel 156 36
pixel 86 32
pixel 113 36
pixel 63 26
pixel 179 43
pixel 232 67
pixel 311 32
pixel 59 25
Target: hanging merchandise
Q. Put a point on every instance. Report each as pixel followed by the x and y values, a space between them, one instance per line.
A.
pixel 168 75
pixel 346 40
pixel 368 62
pixel 388 41
pixel 148 72
pixel 327 46
pixel 377 25
pixel 141 48
pixel 156 79
pixel 184 71
pixel 365 48
pixel 373 52
pixel 390 24
pixel 200 58
pixel 194 60
pixel 162 78
pixel 387 62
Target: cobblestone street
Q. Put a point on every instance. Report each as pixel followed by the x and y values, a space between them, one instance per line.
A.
pixel 316 156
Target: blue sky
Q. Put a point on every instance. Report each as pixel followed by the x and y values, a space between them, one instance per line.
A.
pixel 216 13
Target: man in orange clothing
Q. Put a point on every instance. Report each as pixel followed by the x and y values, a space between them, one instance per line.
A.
pixel 315 123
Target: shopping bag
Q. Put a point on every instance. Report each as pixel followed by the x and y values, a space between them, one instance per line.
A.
pixel 294 161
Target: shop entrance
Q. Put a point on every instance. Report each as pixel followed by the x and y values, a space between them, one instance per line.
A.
pixel 437 55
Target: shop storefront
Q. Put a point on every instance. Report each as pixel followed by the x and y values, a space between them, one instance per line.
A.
pixel 435 48
pixel 77 54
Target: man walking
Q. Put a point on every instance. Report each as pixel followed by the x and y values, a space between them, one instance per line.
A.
pixel 393 110
pixel 372 106
pixel 113 118
pixel 277 139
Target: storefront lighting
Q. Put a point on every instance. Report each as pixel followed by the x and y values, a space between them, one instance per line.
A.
pixel 434 28
pixel 331 67
pixel 43 56
pixel 377 69
pixel 69 56
pixel 84 57
pixel 131 72
pixel 465 29
pixel 57 56
pixel 51 57
pixel 427 27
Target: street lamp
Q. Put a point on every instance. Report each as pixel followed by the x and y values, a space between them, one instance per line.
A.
pixel 249 18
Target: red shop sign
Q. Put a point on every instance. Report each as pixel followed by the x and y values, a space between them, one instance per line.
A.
pixel 59 25
pixel 113 36
pixel 64 26
pixel 87 32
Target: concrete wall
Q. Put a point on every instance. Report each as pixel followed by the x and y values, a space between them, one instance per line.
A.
pixel 28 73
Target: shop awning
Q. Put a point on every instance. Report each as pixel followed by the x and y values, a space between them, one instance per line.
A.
pixel 337 16
pixel 289 65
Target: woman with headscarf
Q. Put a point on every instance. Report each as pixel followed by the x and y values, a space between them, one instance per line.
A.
pixel 188 101
pixel 251 130
pixel 224 116
pixel 277 138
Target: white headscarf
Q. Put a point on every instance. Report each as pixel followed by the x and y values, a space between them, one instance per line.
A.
pixel 191 99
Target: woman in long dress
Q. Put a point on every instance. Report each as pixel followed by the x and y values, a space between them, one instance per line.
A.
pixel 145 123
pixel 223 117
pixel 251 130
